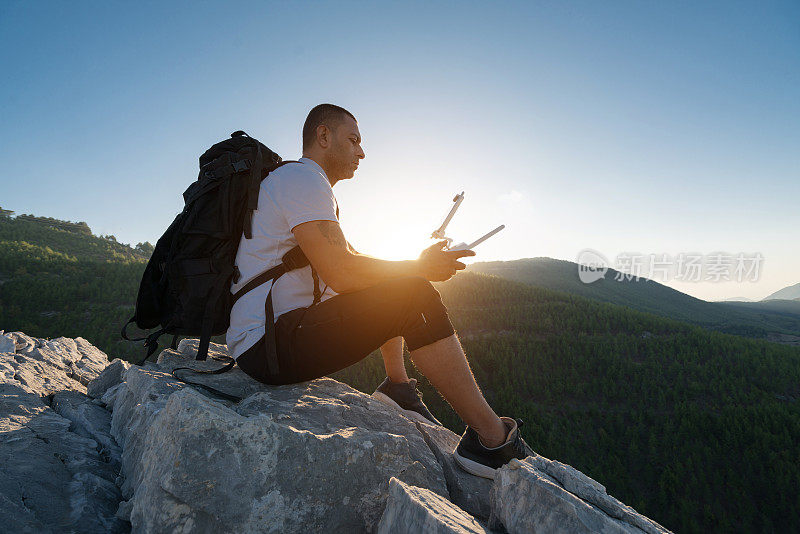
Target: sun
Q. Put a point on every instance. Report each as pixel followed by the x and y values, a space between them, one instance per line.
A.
pixel 400 247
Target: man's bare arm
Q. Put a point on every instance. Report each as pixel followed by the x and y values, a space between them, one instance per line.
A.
pixel 338 264
pixel 344 270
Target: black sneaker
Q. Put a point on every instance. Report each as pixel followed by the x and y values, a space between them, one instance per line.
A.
pixel 405 398
pixel 482 461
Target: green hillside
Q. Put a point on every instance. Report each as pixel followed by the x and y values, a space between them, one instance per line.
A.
pixel 697 429
pixel 57 279
pixel 779 306
pixel 747 319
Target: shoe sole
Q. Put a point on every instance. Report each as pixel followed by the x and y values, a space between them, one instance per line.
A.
pixel 474 468
pixel 411 414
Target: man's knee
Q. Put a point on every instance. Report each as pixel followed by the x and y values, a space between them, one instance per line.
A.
pixel 417 297
pixel 427 318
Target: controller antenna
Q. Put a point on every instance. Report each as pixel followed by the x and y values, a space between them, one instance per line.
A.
pixel 439 232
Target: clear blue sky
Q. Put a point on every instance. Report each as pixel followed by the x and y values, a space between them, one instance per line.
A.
pixel 650 127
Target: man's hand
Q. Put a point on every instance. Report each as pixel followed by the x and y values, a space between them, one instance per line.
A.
pixel 438 265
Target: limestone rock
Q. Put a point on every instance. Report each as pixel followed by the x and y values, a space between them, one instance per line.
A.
pixel 90 421
pixel 112 375
pixel 590 490
pixel 24 343
pixel 43 366
pixel 540 495
pixel 188 348
pixel 54 475
pixel 467 491
pixel 135 403
pixel 7 344
pixel 411 510
pixel 234 382
pixel 315 456
pixel 147 452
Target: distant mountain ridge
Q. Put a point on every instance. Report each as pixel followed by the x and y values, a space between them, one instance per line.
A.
pixel 787 293
pixel 755 319
pixel 69 238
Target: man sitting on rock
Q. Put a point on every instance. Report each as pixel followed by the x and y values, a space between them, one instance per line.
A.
pixel 366 303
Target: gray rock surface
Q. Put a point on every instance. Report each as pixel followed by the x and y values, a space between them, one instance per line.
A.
pixel 56 468
pixel 541 495
pixel 411 510
pixel 112 375
pixel 24 343
pixel 7 344
pixel 90 421
pixel 146 452
pixel 315 456
pixel 466 491
pixel 593 492
pixel 45 366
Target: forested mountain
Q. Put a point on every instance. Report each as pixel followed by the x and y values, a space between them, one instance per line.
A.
pixel 788 307
pixel 57 279
pixel 697 429
pixel 750 319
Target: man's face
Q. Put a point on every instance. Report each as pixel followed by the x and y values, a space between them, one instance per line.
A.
pixel 344 152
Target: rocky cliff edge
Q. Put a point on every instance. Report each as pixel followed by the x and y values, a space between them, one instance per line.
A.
pixel 88 445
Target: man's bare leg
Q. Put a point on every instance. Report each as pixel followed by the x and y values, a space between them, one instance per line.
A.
pixel 393 360
pixel 445 365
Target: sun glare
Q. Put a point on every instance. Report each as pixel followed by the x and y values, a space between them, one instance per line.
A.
pixel 406 247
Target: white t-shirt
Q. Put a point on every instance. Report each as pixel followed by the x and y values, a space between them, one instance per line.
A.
pixel 292 194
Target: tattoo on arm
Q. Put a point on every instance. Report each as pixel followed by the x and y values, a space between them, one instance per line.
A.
pixel 332 233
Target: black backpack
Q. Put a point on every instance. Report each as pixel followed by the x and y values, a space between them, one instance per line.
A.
pixel 185 289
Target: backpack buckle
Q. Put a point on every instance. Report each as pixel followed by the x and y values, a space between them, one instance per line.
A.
pixel 240 165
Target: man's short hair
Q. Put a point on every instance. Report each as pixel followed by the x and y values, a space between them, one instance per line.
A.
pixel 327 114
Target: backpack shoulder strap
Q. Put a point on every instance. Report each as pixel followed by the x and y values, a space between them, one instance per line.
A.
pixel 294 259
pixel 252 194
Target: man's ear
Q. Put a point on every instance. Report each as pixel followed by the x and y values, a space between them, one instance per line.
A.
pixel 323 135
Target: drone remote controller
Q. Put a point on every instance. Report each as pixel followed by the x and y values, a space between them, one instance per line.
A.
pixel 439 232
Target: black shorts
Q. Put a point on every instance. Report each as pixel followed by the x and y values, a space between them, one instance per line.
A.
pixel 342 330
